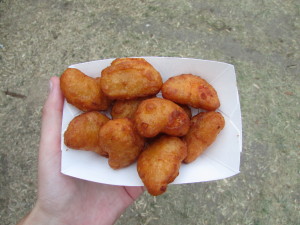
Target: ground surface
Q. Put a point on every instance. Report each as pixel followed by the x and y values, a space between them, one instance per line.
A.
pixel 40 38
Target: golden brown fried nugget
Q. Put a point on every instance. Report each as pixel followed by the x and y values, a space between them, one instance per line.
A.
pixel 130 78
pixel 125 108
pixel 204 130
pixel 122 143
pixel 158 165
pixel 82 91
pixel 83 132
pixel 191 90
pixel 157 115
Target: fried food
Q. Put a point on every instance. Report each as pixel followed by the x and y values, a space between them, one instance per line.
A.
pixel 130 78
pixel 158 165
pixel 83 132
pixel 82 91
pixel 204 129
pixel 187 110
pixel 119 139
pixel 125 108
pixel 191 90
pixel 157 115
pixel 120 60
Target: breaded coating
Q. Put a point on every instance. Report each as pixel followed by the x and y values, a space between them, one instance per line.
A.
pixel 130 78
pixel 158 165
pixel 122 143
pixel 187 110
pixel 125 108
pixel 204 129
pixel 120 60
pixel 191 90
pixel 157 115
pixel 82 91
pixel 83 132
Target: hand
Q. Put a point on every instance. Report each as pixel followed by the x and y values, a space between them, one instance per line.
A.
pixel 67 200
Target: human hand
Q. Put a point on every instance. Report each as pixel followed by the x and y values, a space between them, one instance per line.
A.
pixel 67 200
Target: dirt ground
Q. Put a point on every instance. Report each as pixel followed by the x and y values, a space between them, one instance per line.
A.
pixel 40 38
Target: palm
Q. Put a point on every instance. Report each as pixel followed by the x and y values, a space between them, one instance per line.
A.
pixel 81 197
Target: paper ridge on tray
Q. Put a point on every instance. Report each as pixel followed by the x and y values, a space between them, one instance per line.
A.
pixel 221 159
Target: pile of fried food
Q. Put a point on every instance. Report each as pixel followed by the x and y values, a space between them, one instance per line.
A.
pixel 158 133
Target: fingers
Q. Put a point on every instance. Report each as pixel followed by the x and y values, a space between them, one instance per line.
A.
pixel 51 120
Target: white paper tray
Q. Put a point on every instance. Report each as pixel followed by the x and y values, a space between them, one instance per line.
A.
pixel 220 160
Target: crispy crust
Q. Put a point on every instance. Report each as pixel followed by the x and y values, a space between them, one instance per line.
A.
pixel 83 132
pixel 121 142
pixel 191 90
pixel 187 110
pixel 157 115
pixel 204 129
pixel 125 108
pixel 82 91
pixel 158 165
pixel 130 78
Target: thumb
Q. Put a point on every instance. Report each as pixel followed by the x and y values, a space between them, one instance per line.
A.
pixel 51 122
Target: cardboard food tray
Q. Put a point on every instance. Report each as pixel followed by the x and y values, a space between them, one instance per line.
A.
pixel 219 161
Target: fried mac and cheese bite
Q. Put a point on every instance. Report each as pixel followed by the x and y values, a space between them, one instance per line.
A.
pixel 191 90
pixel 83 132
pixel 121 142
pixel 125 108
pixel 204 130
pixel 130 78
pixel 82 91
pixel 158 165
pixel 157 115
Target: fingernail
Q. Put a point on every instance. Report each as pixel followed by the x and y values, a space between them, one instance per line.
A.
pixel 50 86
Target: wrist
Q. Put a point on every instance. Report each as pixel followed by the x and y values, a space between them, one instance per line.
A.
pixel 39 216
